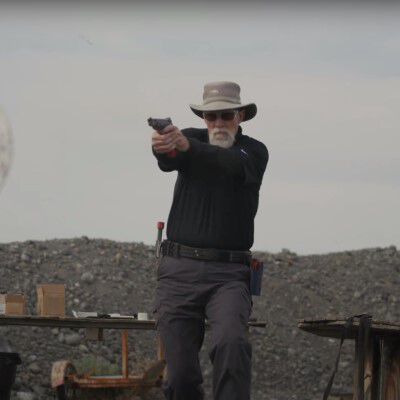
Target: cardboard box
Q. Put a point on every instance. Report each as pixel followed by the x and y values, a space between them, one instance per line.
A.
pixel 94 334
pixel 12 304
pixel 51 300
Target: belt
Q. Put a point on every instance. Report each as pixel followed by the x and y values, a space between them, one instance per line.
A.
pixel 174 249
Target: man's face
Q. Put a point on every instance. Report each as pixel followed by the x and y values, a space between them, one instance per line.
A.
pixel 223 126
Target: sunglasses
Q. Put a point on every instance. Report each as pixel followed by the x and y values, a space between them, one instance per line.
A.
pixel 224 115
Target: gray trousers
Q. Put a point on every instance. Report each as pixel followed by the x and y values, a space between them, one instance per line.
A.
pixel 188 291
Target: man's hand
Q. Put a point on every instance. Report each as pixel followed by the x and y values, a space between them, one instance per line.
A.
pixel 168 139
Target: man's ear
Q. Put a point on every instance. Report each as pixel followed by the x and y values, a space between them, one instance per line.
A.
pixel 241 115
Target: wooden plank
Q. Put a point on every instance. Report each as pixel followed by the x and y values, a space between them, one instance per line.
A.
pixel 106 323
pixel 334 328
pixel 72 322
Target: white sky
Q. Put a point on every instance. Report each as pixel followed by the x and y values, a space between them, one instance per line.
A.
pixel 79 82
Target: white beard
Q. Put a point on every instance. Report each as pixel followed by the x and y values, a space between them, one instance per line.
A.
pixel 222 137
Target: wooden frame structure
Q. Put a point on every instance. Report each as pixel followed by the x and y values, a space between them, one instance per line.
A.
pixel 68 383
pixel 380 378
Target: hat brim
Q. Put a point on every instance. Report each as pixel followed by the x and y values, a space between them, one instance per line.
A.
pixel 250 109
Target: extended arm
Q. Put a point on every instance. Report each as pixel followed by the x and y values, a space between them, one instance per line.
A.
pixel 246 161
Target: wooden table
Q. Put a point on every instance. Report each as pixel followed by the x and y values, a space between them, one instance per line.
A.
pixel 379 378
pixel 64 381
pixel 92 325
pixel 97 324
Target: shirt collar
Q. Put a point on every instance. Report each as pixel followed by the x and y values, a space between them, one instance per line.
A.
pixel 239 134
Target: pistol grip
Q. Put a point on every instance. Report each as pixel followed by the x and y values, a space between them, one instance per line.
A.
pixel 172 154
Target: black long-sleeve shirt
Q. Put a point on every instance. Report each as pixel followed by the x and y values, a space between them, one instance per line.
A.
pixel 216 191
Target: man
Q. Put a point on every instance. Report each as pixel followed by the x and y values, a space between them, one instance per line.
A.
pixel 204 272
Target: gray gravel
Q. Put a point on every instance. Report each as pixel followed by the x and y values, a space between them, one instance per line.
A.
pixel 108 276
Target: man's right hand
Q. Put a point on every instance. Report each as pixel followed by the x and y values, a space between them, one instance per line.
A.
pixel 170 139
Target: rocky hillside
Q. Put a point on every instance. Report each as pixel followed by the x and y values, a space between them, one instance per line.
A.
pixel 108 276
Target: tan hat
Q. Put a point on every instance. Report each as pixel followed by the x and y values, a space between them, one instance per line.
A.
pixel 219 96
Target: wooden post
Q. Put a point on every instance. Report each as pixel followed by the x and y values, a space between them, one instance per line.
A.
pixel 125 354
pixel 390 369
pixel 161 355
pixel 367 386
pixel 160 349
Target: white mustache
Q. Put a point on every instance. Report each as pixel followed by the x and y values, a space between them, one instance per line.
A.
pixel 216 131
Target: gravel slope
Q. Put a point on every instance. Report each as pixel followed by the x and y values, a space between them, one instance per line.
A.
pixel 109 276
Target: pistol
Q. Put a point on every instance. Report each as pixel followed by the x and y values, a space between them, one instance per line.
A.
pixel 159 124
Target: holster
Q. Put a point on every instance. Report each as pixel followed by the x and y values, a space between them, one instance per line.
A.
pixel 256 273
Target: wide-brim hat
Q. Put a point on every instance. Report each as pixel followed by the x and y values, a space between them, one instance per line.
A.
pixel 220 96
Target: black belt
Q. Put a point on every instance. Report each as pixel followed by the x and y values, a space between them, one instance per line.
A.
pixel 174 249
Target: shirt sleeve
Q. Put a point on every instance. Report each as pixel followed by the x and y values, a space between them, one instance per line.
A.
pixel 245 161
pixel 168 164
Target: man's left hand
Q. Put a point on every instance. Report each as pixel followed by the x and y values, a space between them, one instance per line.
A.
pixel 178 138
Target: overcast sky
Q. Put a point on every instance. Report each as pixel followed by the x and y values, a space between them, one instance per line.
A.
pixel 79 82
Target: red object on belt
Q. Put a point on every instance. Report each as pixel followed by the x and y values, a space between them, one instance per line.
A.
pixel 160 225
pixel 255 264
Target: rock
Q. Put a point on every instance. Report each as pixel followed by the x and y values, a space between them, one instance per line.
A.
pixel 118 258
pixel 291 351
pixel 39 391
pixel 25 396
pixel 17 383
pixel 72 339
pixel 96 262
pixel 32 358
pixel 83 348
pixel 87 277
pixel 35 368
pixel 25 257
